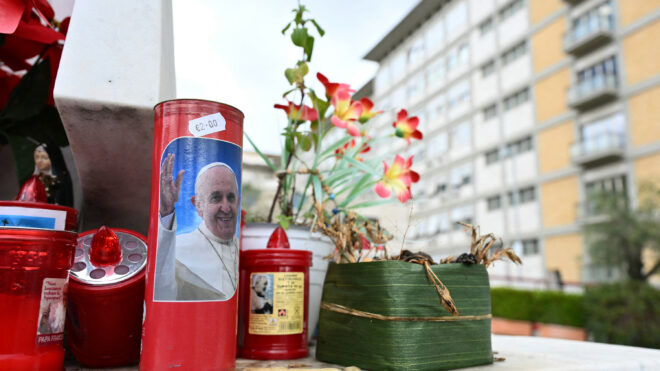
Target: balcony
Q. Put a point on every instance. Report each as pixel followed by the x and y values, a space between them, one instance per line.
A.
pixel 588 36
pixel 598 150
pixel 572 2
pixel 592 92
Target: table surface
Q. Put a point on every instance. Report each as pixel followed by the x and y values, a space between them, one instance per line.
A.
pixel 519 353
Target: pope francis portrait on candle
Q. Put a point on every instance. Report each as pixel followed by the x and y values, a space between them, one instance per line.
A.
pixel 202 264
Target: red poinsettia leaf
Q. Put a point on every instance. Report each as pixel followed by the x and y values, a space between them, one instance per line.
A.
pixel 64 26
pixel 44 8
pixel 15 51
pixel 54 54
pixel 35 31
pixel 12 10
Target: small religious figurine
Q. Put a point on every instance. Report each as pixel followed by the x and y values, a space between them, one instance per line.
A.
pixel 50 167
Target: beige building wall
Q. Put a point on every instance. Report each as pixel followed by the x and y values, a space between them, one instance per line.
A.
pixel 559 201
pixel 551 94
pixel 554 146
pixel 641 53
pixel 644 111
pixel 564 253
pixel 542 9
pixel 633 10
pixel 648 169
pixel 547 48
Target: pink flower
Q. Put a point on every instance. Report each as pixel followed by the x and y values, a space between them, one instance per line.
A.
pixel 367 113
pixel 398 177
pixel 332 88
pixel 406 127
pixel 295 113
pixel 346 112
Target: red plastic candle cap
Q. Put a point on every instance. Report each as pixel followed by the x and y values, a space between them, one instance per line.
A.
pixel 105 249
pixel 278 240
pixel 32 191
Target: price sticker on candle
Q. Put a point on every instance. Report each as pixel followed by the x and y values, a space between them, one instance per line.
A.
pixel 207 125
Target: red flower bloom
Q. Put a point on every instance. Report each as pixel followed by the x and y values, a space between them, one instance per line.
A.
pixel 406 127
pixel 346 112
pixel 367 113
pixel 398 177
pixel 295 113
pixel 332 88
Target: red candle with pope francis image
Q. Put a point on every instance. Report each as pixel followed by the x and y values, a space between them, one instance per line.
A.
pixel 192 270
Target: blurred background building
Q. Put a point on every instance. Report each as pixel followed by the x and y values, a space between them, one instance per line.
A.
pixel 527 106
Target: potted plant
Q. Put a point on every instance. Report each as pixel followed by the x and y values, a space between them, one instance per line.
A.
pixel 326 169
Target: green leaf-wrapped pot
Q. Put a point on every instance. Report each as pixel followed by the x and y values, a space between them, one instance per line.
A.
pixel 386 315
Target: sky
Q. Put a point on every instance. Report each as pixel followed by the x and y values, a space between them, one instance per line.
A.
pixel 234 52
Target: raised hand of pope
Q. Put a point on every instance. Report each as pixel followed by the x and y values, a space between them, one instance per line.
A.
pixel 169 187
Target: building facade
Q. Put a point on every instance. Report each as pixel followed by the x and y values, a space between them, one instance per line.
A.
pixel 526 107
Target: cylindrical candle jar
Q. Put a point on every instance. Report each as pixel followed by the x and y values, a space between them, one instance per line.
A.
pixel 34 271
pixel 192 271
pixel 274 297
pixel 105 303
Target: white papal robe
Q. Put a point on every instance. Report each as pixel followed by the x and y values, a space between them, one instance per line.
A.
pixel 194 266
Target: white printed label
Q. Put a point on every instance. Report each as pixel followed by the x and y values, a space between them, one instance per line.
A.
pixel 207 125
pixel 52 312
pixel 28 217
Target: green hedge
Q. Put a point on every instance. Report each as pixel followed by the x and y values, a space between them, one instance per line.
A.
pixel 624 313
pixel 538 306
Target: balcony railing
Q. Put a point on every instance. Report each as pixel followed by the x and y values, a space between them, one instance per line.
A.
pixel 588 36
pixel 597 90
pixel 598 149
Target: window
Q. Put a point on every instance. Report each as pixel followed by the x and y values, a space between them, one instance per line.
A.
pixel 461 214
pixel 398 67
pixel 514 53
pixel 438 145
pixel 416 51
pixel 487 69
pixel 510 9
pixel 615 184
pixel 436 108
pixel 436 71
pixel 597 76
pixel 457 18
pixel 516 99
pixel 494 203
pixel 382 78
pixel 435 36
pixel 490 112
pixel 486 26
pixel 530 247
pixel 594 20
pixel 461 135
pixel 492 156
pixel 463 54
pixel 519 146
pixel 461 175
pixel 459 94
pixel 415 86
pixel 458 56
pixel 398 98
pixel 613 124
pixel 612 185
pixel 523 195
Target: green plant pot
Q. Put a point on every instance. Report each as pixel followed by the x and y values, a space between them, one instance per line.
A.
pixel 417 333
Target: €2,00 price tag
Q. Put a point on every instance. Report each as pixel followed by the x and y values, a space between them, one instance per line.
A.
pixel 207 125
